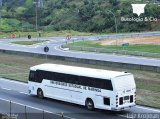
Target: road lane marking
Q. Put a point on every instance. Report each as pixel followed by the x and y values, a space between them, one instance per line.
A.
pixel 5 88
pixel 61 50
pixel 4 99
pixel 122 115
pixel 35 108
pixel 24 93
pixel 148 108
pixel 13 81
pixel 14 90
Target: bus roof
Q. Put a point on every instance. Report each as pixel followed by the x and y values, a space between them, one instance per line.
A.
pixel 81 71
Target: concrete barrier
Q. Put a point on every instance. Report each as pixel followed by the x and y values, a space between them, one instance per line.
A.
pixel 86 61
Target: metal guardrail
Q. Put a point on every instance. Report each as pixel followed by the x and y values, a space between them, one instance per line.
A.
pixel 105 50
pixel 128 35
pixel 14 110
pixel 113 36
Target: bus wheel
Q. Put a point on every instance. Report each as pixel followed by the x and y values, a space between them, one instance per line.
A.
pixel 89 104
pixel 40 93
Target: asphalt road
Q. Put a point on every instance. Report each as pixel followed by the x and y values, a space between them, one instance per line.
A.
pixel 17 93
pixel 55 42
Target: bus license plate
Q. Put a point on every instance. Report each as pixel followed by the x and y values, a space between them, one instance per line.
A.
pixel 126 98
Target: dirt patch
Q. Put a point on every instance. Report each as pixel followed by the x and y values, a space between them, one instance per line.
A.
pixel 130 40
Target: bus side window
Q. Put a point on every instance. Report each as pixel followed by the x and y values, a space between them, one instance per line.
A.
pixel 40 75
pixel 108 85
pixel 72 79
pixel 59 77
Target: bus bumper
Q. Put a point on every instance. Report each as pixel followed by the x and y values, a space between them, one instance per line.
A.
pixel 122 108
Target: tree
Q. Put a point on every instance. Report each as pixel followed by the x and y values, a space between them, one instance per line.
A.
pixel 29 3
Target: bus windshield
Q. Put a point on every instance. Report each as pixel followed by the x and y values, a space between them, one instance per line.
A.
pixel 32 76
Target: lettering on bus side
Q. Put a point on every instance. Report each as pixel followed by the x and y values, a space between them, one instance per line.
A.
pixel 58 83
pixel 75 86
pixel 94 89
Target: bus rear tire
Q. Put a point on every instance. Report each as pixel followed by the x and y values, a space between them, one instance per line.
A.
pixel 89 104
pixel 40 93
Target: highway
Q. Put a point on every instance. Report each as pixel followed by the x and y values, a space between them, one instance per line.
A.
pixel 17 93
pixel 54 44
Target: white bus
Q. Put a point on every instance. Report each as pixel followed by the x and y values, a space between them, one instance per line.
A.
pixel 93 88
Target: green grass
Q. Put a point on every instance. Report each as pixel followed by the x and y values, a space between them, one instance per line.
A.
pixel 140 48
pixel 28 42
pixel 155 87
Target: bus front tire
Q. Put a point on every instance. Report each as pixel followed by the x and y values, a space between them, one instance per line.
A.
pixel 89 104
pixel 40 93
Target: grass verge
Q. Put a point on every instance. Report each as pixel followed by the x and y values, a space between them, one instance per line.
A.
pixel 28 42
pixel 148 83
pixel 139 47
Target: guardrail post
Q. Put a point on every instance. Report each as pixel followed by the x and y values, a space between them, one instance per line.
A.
pixel 25 112
pixel 10 108
pixel 62 114
pixel 43 114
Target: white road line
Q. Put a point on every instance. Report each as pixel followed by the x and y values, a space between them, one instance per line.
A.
pixel 61 50
pixel 13 81
pixel 24 93
pixel 122 115
pixel 14 90
pixel 5 88
pixel 35 108
pixel 4 99
pixel 156 110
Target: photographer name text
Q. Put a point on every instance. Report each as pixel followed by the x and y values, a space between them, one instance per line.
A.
pixel 139 19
